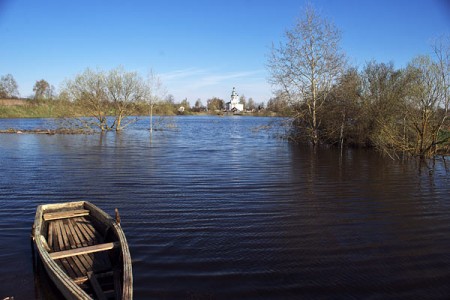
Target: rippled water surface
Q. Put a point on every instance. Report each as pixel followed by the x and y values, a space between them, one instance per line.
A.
pixel 215 209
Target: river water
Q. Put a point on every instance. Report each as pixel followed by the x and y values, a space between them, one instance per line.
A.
pixel 216 209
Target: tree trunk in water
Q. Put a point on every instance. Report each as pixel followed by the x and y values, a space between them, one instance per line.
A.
pixel 341 134
pixel 151 117
pixel 119 120
pixel 315 135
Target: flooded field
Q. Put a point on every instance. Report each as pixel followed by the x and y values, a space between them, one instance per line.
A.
pixel 216 209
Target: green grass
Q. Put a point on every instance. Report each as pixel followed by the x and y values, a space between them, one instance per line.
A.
pixel 36 110
pixel 58 109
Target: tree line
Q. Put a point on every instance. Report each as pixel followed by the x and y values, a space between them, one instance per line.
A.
pixel 9 89
pixel 396 110
pixel 110 99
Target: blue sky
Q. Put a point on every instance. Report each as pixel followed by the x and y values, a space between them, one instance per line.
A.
pixel 200 49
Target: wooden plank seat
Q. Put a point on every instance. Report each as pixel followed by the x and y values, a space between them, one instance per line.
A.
pixel 78 247
pixel 84 250
pixel 65 214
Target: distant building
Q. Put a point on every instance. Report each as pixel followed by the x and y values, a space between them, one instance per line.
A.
pixel 234 104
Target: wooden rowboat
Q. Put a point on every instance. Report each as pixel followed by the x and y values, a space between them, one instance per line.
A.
pixel 83 250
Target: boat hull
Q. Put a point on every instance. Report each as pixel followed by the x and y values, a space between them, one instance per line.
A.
pixel 83 250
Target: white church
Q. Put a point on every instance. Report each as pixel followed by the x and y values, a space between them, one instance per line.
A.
pixel 234 104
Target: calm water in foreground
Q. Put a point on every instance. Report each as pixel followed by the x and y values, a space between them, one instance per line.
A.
pixel 218 210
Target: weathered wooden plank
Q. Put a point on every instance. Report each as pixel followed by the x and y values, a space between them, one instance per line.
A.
pixel 45 244
pixel 68 233
pixel 81 236
pixel 85 259
pixel 67 268
pixel 74 262
pixel 74 233
pixel 59 236
pixel 69 264
pixel 58 245
pixel 65 235
pixel 81 261
pixel 84 250
pixel 95 235
pixel 63 206
pixel 50 235
pixel 55 246
pixel 65 214
pixel 95 232
pixel 80 280
pixel 80 269
pixel 96 286
pixel 89 237
pixel 82 240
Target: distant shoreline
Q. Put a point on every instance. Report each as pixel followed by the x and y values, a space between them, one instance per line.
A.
pixel 46 131
pixel 29 108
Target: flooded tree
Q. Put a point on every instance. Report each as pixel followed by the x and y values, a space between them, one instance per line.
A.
pixel 384 91
pixel 403 111
pixel 427 108
pixel 441 51
pixel 343 116
pixel 122 90
pixel 107 96
pixel 88 90
pixel 305 66
pixel 155 92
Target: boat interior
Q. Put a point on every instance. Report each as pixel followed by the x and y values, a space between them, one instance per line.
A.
pixel 86 249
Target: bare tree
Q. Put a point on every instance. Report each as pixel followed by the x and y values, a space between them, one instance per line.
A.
pixel 384 91
pixel 122 90
pixel 279 104
pixel 8 87
pixel 441 49
pixel 343 110
pixel 242 100
pixel 155 91
pixel 428 104
pixel 88 90
pixel 107 96
pixel 306 66
pixel 251 104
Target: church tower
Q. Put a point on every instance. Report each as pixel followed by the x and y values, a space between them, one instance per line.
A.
pixel 234 97
pixel 234 104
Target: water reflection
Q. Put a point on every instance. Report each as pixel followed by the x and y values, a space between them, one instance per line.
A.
pixel 217 210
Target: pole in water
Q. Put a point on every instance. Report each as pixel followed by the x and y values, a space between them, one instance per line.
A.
pixel 117 216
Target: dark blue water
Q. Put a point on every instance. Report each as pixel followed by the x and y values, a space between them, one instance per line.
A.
pixel 215 209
